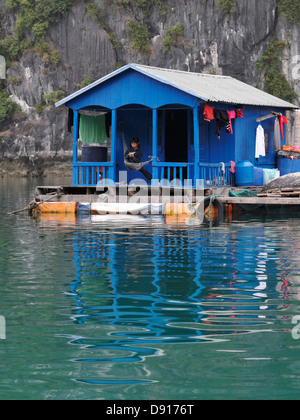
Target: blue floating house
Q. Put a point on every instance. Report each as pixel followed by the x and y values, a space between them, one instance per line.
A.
pixel 181 121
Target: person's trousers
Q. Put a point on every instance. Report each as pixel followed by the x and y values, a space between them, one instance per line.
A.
pixel 146 174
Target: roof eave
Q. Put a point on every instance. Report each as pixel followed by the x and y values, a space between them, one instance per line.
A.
pixel 91 86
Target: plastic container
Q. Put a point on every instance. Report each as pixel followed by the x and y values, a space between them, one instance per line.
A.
pixel 94 154
pixel 287 166
pixel 270 175
pixel 258 177
pixel 244 174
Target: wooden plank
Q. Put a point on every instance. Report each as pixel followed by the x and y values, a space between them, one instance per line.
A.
pixel 290 189
pixel 261 200
pixel 291 194
pixel 266 117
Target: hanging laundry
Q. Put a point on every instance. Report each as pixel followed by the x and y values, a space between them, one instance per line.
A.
pixel 260 147
pixel 239 113
pixel 222 120
pixel 282 120
pixel 92 129
pixel 232 167
pixel 296 129
pixel 277 139
pixel 231 116
pixel 208 113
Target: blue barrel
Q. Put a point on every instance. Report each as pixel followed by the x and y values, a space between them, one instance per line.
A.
pixel 258 177
pixel 244 174
pixel 287 166
pixel 94 154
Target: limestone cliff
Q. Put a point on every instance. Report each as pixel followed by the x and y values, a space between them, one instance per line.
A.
pixel 92 38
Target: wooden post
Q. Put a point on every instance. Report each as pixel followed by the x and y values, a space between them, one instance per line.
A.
pixel 75 145
pixel 112 169
pixel 154 143
pixel 196 145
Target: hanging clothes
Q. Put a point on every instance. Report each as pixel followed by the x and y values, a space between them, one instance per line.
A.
pixel 282 120
pixel 277 138
pixel 232 167
pixel 239 113
pixel 260 146
pixel 231 116
pixel 296 129
pixel 208 113
pixel 92 129
pixel 222 120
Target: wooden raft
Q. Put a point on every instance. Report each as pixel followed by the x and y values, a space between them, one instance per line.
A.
pixel 283 196
pixel 283 192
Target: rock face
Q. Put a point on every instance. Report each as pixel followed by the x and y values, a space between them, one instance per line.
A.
pixel 93 46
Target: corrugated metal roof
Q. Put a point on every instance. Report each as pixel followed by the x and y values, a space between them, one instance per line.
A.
pixel 215 88
pixel 209 88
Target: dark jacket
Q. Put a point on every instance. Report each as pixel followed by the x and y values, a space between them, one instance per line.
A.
pixel 137 155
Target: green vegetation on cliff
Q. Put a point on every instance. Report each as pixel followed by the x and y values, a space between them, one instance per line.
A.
pixel 290 10
pixel 271 65
pixel 7 106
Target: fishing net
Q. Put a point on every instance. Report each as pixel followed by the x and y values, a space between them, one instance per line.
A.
pixel 246 193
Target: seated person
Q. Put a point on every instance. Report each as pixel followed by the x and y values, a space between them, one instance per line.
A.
pixel 134 155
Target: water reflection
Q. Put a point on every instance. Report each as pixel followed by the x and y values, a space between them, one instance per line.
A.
pixel 148 283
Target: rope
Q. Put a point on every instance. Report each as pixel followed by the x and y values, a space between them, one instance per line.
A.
pixel 34 204
pixel 193 207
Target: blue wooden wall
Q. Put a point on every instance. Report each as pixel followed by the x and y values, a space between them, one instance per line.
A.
pixel 131 87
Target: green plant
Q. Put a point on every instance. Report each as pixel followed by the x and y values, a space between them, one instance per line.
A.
pixel 290 10
pixel 14 81
pixel 39 108
pixel 227 6
pixel 33 19
pixel 276 83
pixel 140 37
pixel 144 5
pixel 53 97
pixel 49 54
pixel 92 10
pixel 7 106
pixel 173 36
pixel 85 82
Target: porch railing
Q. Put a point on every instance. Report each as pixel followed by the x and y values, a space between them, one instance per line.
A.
pixel 216 174
pixel 89 174
pixel 171 171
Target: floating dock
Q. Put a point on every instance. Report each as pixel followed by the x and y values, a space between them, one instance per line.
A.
pixel 122 199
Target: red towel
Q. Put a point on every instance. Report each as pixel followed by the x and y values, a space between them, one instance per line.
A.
pixel 208 113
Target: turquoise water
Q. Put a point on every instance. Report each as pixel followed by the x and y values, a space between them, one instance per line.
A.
pixel 144 308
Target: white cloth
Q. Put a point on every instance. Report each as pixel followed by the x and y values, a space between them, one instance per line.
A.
pixel 260 147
